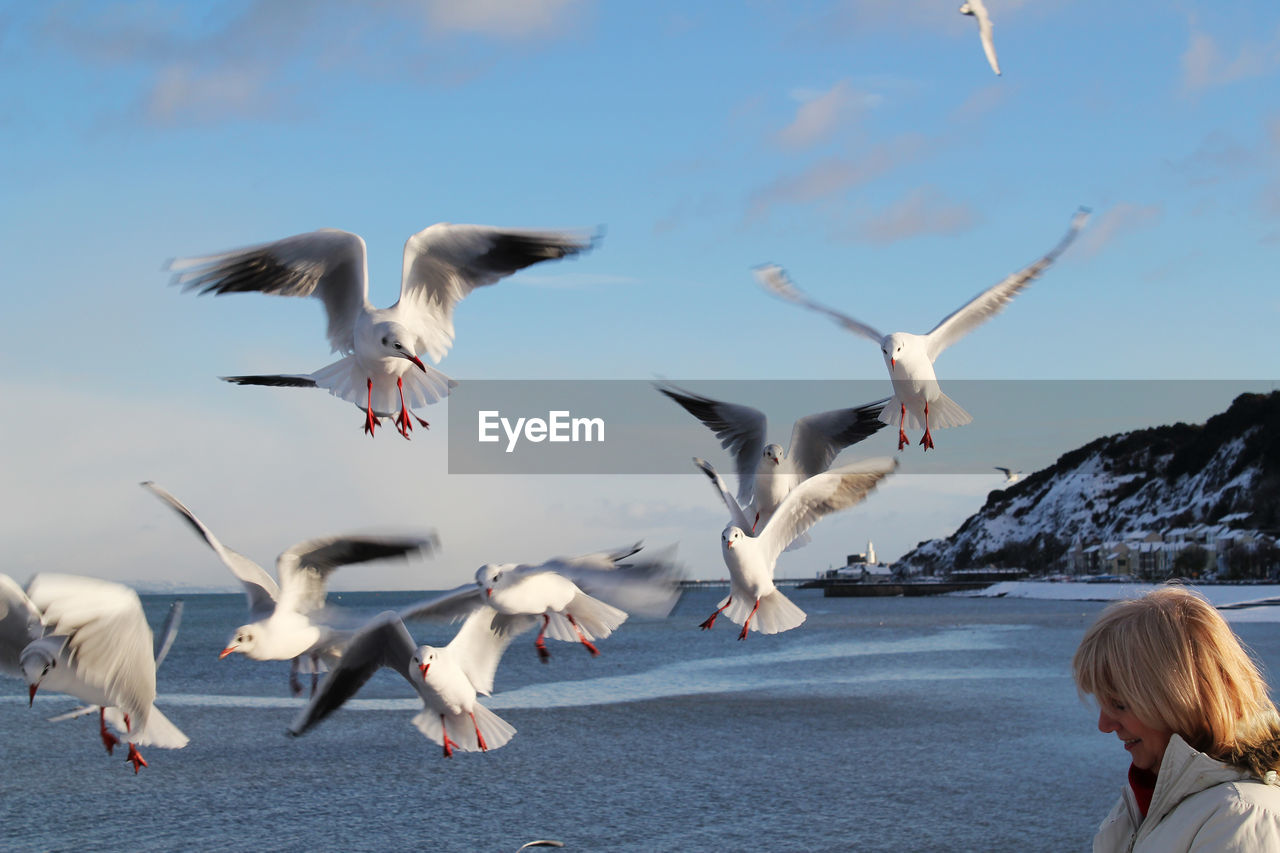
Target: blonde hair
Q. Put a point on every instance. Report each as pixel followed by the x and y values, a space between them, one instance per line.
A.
pixel 1171 658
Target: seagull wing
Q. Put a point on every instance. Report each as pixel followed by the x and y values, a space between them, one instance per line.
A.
pixel 445 262
pixel 19 624
pixel 741 430
pixel 168 632
pixel 736 515
pixel 816 440
pixel 647 587
pixel 383 642
pixel 480 642
pixel 454 604
pixel 820 495
pixel 984 32
pixel 305 568
pixel 328 263
pixel 259 586
pixel 991 301
pixel 108 640
pixel 774 279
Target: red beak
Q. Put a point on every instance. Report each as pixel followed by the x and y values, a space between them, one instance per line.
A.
pixel 423 667
pixel 228 650
pixel 488 592
pixel 31 694
pixel 418 362
pixel 893 362
pixel 730 545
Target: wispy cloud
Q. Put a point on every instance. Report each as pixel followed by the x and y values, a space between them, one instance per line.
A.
pixel 243 63
pixel 833 176
pixel 1124 218
pixel 922 211
pixel 504 18
pixel 822 114
pixel 1206 65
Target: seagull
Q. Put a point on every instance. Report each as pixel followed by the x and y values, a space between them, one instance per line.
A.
pixel 917 400
pixel 751 559
pixel 447 679
pixel 163 642
pixel 381 347
pixel 766 473
pixel 1010 476
pixel 978 10
pixel 580 599
pixel 87 638
pixel 286 622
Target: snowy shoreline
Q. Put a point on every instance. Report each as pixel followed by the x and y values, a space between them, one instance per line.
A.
pixel 1267 596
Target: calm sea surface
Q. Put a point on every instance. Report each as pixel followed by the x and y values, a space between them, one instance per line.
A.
pixel 880 724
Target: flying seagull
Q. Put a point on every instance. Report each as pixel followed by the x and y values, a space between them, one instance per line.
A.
pixel 381 369
pixel 751 559
pixel 579 599
pixel 287 619
pixel 978 10
pixel 447 679
pixel 766 472
pixel 917 399
pixel 87 638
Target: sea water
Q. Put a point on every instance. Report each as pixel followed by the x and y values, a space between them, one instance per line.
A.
pixel 880 724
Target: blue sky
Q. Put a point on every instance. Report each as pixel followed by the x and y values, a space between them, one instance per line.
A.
pixel 865 146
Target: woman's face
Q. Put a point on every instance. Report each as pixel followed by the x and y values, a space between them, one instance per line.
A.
pixel 1145 745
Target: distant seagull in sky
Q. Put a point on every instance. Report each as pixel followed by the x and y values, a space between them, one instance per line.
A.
pixel 447 679
pixel 978 10
pixel 751 559
pixel 766 472
pixel 287 620
pixel 87 638
pixel 918 401
pixel 380 347
pixel 579 599
pixel 1010 476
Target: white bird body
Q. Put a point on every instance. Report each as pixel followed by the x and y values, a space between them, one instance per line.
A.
pixel 87 638
pixel 569 593
pixel 767 472
pixel 978 10
pixel 447 679
pixel 381 370
pixel 751 560
pixel 918 400
pixel 288 621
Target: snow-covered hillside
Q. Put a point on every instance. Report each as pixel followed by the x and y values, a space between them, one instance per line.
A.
pixel 1224 472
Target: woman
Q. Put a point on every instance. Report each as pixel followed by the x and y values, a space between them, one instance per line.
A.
pixel 1174 684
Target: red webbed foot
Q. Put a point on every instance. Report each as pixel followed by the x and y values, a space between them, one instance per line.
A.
pixel 926 440
pixel 135 758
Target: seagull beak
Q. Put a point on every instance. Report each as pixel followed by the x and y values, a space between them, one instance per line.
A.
pixel 423 667
pixel 228 650
pixel 893 362
pixel 729 545
pixel 31 694
pixel 488 592
pixel 416 361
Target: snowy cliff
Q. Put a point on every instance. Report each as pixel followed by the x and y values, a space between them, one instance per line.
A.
pixel 1225 471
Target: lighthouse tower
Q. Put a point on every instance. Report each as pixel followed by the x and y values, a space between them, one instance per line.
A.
pixel 871 553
